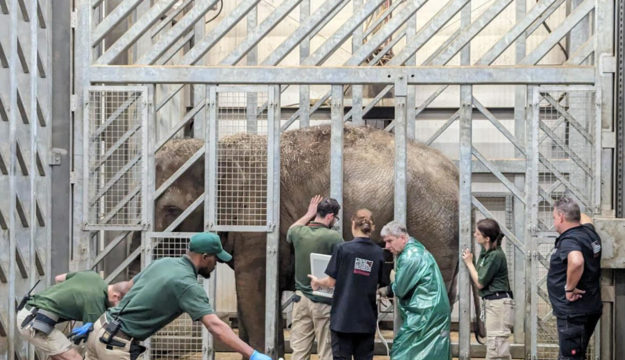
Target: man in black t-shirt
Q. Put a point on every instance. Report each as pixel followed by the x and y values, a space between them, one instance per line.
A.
pixel 355 272
pixel 573 279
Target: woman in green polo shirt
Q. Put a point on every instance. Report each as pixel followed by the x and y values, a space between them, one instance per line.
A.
pixel 491 278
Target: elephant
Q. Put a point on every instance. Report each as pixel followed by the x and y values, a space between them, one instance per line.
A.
pixel 368 181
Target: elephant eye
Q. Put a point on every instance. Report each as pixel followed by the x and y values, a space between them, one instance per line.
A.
pixel 172 210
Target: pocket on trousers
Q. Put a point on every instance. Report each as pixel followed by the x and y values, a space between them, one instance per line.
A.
pixel 571 339
pixel 509 308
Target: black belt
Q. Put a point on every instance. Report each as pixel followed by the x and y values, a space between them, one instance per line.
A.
pixel 120 334
pixel 499 295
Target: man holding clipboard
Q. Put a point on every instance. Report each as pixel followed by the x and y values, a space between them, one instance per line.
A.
pixel 312 233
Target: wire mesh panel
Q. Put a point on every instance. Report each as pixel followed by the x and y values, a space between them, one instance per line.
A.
pixel 115 142
pixel 182 338
pixel 566 130
pixel 240 125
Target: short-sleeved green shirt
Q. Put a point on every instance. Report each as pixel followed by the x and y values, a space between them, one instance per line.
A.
pixel 313 238
pixel 82 296
pixel 161 292
pixel 492 271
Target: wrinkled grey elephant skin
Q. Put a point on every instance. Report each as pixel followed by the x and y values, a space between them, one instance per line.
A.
pixel 368 178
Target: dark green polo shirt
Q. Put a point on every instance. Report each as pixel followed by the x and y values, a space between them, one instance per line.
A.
pixel 82 296
pixel 492 271
pixel 313 238
pixel 160 293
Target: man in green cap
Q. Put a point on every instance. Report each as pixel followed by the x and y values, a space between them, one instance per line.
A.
pixel 81 296
pixel 160 293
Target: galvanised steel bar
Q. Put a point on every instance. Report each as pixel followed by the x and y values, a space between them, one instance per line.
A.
pixel 513 34
pixel 465 208
pixel 182 25
pixel 571 119
pixel 120 141
pixel 12 50
pixel 121 267
pixel 200 49
pixel 342 34
pixel 442 129
pixel 111 118
pixel 470 32
pixel 581 197
pixel 383 16
pixel 400 206
pixel 181 170
pixel 304 90
pixel 136 30
pixel 493 120
pixel 478 75
pixel 259 32
pixel 272 293
pixel 303 31
pixel 171 17
pixel 114 179
pixel 562 145
pixel 180 124
pixel 385 33
pixel 113 18
pixel 110 246
pixel 121 204
pixel 504 229
pixel 541 21
pixel 582 52
pixel 500 176
pixel 185 214
pixel 210 161
pixel 175 48
pixel 336 150
pixel 550 41
pixel 531 216
pixel 357 90
pixel 252 59
pixel 439 20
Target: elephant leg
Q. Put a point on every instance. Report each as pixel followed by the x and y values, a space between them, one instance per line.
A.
pixel 249 272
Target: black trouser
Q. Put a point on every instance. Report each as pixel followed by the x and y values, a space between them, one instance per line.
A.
pixel 574 334
pixel 344 345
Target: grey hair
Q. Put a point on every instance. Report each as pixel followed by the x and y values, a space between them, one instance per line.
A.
pixel 394 228
pixel 569 208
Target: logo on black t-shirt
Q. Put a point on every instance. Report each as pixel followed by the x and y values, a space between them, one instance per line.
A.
pixel 362 266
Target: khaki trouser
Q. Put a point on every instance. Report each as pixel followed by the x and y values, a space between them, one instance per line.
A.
pixel 499 324
pixel 97 349
pixel 310 320
pixel 52 344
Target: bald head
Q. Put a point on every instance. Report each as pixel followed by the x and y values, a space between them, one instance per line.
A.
pixel 117 291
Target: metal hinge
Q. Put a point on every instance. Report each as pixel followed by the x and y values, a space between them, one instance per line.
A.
pixel 72 177
pixel 73 19
pixel 607 63
pixel 608 139
pixel 72 102
pixel 56 155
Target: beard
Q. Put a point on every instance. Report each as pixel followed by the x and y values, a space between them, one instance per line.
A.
pixel 205 272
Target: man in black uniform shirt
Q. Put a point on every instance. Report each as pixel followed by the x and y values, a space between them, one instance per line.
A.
pixel 355 271
pixel 573 280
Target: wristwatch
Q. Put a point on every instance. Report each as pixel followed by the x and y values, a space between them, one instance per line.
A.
pixel 566 290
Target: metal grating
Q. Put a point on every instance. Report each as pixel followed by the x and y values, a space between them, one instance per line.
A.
pixel 242 159
pixel 115 156
pixel 182 338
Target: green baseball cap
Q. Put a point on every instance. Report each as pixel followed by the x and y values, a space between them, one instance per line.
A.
pixel 209 243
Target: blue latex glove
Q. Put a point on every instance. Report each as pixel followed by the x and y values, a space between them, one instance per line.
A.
pixel 259 356
pixel 81 333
